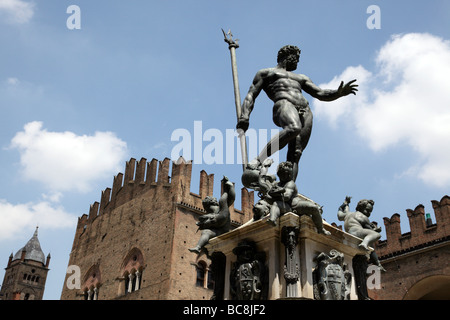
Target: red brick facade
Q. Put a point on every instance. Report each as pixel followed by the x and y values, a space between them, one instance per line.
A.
pixel 417 262
pixel 143 227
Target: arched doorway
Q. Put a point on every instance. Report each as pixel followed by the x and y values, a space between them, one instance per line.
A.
pixel 430 288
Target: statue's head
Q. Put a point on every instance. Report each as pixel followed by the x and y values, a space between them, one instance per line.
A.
pixel 365 206
pixel 260 209
pixel 209 202
pixel 285 171
pixel 245 251
pixel 289 56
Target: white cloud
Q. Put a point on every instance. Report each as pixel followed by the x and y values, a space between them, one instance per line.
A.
pixel 64 161
pixel 16 11
pixel 17 217
pixel 53 196
pixel 12 81
pixel 405 101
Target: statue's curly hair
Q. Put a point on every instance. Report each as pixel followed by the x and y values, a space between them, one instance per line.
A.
pixel 209 200
pixel 283 165
pixel 363 203
pixel 286 51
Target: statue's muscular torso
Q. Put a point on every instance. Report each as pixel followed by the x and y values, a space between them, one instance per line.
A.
pixel 280 84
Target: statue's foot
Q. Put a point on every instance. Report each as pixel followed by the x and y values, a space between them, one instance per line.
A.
pixel 195 250
pixel 363 246
pixel 272 222
pixel 325 232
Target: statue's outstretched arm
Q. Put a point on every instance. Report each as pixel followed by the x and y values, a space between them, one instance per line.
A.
pixel 329 94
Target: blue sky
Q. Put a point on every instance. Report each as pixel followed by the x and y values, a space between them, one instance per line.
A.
pixel 76 104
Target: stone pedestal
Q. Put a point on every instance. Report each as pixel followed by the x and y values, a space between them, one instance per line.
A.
pixel 291 249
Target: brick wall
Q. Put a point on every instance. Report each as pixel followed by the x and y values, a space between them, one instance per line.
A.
pixel 422 254
pixel 420 234
pixel 154 215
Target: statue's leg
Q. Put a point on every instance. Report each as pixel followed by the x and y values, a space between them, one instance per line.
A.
pixel 369 237
pixel 296 146
pixel 306 118
pixel 294 154
pixel 374 259
pixel 204 238
pixel 274 213
pixel 286 117
pixel 310 209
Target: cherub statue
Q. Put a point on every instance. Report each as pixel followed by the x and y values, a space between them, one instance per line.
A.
pixel 358 224
pixel 282 194
pixel 283 197
pixel 217 219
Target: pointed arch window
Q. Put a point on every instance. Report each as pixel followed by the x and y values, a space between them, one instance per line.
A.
pixel 132 271
pixel 92 283
pixel 132 280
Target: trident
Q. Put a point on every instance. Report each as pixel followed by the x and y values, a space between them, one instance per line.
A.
pixel 232 45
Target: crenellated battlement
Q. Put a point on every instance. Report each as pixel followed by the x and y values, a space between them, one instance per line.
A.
pixel 150 210
pixel 422 230
pixel 152 179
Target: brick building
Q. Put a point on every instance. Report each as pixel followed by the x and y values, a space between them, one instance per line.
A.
pixel 417 262
pixel 134 242
pixel 26 272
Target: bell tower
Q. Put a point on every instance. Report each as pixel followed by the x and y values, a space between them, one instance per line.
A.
pixel 26 272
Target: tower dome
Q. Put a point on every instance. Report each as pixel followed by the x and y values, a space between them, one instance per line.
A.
pixel 32 250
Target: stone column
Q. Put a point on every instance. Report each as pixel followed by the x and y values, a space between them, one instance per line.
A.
pixel 137 280
pixel 130 282
pixel 274 268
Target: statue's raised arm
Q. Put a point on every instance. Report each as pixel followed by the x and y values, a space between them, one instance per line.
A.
pixel 344 209
pixel 217 219
pixel 229 194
